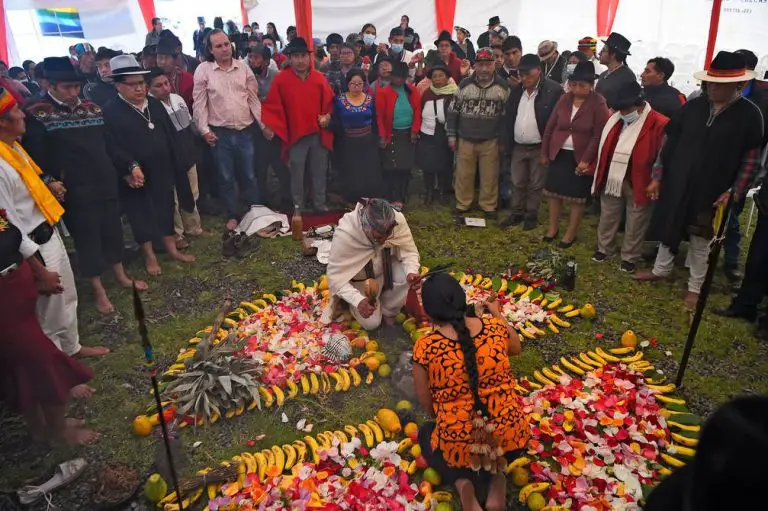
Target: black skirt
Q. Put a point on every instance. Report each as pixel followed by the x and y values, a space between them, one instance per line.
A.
pixel 400 153
pixel 562 181
pixel 433 153
pixel 360 166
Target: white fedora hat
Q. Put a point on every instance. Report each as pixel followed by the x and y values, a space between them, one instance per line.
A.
pixel 125 65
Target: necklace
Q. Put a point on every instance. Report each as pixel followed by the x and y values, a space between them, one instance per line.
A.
pixel 147 117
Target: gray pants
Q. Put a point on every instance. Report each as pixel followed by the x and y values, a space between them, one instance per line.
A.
pixel 638 221
pixel 308 148
pixel 528 178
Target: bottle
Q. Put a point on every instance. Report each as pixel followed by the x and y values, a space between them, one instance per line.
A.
pixel 297 225
pixel 569 276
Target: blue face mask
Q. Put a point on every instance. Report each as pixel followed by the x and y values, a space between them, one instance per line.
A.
pixel 631 117
pixel 397 48
pixel 369 39
pixel 271 50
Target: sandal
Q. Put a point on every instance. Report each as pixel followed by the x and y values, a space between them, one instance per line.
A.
pixel 65 473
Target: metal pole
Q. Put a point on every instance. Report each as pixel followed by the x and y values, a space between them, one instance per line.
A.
pixel 704 293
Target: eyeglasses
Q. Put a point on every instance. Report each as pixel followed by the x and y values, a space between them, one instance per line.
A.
pixel 356 84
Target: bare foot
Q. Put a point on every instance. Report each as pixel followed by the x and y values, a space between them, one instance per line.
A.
pixel 91 351
pixel 103 305
pixel 467 495
pixel 497 494
pixel 82 391
pixel 74 423
pixel 153 268
pixel 231 224
pixel 182 244
pixel 184 258
pixel 128 284
pixel 78 436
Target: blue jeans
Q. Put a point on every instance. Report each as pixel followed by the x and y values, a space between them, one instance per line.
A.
pixel 732 244
pixel 234 154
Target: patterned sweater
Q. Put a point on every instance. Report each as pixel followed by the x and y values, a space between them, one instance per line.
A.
pixel 477 113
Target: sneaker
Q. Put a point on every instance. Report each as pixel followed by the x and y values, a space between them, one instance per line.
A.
pixel 599 257
pixel 530 224
pixel 511 221
pixel 628 267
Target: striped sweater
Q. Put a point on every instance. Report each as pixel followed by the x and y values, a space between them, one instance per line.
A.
pixel 476 112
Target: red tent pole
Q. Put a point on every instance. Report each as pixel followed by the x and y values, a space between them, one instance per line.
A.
pixel 714 23
pixel 244 12
pixel 303 11
pixel 147 11
pixel 3 34
pixel 445 10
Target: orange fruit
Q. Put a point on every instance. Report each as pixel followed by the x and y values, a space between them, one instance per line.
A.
pixel 411 430
pixel 142 426
pixel 372 363
pixel 372 346
pixel 519 476
pixel 629 339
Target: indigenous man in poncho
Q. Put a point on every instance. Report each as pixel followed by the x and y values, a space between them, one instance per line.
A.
pixel 373 262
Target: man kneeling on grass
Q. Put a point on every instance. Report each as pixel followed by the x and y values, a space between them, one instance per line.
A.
pixel 373 263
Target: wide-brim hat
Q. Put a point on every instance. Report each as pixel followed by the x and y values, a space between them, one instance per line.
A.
pixel 296 46
pixel 125 65
pixel 444 36
pixel 438 67
pixel 167 46
pixel 618 42
pixel 547 49
pixel 462 29
pixel 494 20
pixel 60 69
pixel 584 72
pixel 627 95
pixel 726 67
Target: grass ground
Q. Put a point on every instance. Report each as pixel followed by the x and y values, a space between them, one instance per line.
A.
pixel 726 360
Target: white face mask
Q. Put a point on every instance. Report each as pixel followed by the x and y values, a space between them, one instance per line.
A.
pixel 570 68
pixel 369 39
pixel 631 117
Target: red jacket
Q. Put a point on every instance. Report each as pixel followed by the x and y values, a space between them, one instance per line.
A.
pixel 643 157
pixel 385 110
pixel 586 128
pixel 186 85
pixel 454 67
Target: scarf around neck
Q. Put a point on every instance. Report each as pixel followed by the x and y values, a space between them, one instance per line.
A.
pixel 446 90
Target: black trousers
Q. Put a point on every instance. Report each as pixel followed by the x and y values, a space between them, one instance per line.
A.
pixel 149 211
pixel 755 282
pixel 98 235
pixel 269 154
pixel 396 183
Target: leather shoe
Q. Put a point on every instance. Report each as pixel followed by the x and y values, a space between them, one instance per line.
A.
pixel 530 224
pixel 647 276
pixel 511 221
pixel 732 274
pixel 732 312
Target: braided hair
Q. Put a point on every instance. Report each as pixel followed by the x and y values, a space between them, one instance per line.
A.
pixel 444 301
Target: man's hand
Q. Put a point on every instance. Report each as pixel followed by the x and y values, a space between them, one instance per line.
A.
pixel 382 143
pixel 48 283
pixel 324 120
pixel 513 80
pixel 414 137
pixel 57 189
pixel 382 48
pixel 544 161
pixel 268 133
pixel 136 178
pixel 581 168
pixel 365 308
pixel 414 280
pixel 723 199
pixel 452 143
pixel 211 138
pixel 652 191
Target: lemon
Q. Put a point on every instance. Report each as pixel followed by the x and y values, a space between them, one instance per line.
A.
pixel 588 311
pixel 385 370
pixel 519 477
pixel 372 346
pixel 536 501
pixel 432 476
pixel 404 405
pixel 142 426
pixel 355 326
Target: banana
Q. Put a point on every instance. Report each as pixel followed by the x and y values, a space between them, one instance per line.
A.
pixel 533 385
pixel 669 460
pixel 312 448
pixel 290 456
pixel 543 303
pixel 346 379
pixel 536 330
pixel 261 465
pixel 606 356
pixel 655 381
pixel 279 395
pixel 279 457
pixel 326 381
pixel 241 470
pixel 542 379
pixel 567 308
pixel 665 389
pixel 671 400
pixel 266 396
pixel 584 358
pixel 555 304
pixel 487 283
pixel 622 351
pixel 356 379
pixel 518 463
pixel 688 442
pixel 270 457
pixel 572 314
pixel 212 491
pixel 293 389
pixel 341 436
pixel 304 384
pixel 412 468
pixel 323 441
pixel 250 462
pixel 378 433
pixel 240 409
pixel 186 503
pixel 664 471
pixel 549 373
pixel 315 383
pixel 504 286
pixel 171 497
pixel 572 367
pixel 679 449
pixel 554 318
pixel 682 427
pixel 532 488
pixel 367 433
pixel 301 451
pixel 552 327
pixel 405 444
pixel 527 293
pixel 369 378
pixel 597 358
pixel 337 383
pixel 525 333
pixel 581 364
pixel 557 369
pixel 478 280
pixel 351 431
pixel 521 390
pixel 634 358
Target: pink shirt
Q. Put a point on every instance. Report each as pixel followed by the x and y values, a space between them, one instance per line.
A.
pixel 225 98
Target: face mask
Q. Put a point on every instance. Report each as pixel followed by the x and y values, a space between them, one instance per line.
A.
pixel 570 68
pixel 630 118
pixel 271 50
pixel 397 48
pixel 369 39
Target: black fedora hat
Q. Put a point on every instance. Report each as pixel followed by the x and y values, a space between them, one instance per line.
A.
pixel 584 72
pixel 493 21
pixel 60 69
pixel 629 94
pixel 438 67
pixel 529 62
pixel 444 36
pixel 618 42
pixel 726 67
pixel 296 46
pixel 168 46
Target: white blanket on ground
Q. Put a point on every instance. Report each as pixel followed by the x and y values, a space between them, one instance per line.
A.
pixel 260 217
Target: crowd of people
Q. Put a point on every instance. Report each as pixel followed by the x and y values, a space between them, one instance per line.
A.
pixel 155 138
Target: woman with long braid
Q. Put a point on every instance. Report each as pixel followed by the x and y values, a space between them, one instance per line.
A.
pixel 464 380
